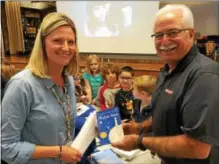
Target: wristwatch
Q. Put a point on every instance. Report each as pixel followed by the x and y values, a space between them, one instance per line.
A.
pixel 139 142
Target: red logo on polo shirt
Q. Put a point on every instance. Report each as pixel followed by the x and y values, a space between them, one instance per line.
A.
pixel 169 91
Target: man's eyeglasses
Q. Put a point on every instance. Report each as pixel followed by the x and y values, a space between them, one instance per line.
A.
pixel 170 33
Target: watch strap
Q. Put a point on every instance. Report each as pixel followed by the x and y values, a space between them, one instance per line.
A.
pixel 139 142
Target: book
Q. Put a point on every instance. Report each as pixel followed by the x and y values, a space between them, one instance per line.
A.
pixel 81 109
pixel 86 135
pixel 105 157
pixel 109 126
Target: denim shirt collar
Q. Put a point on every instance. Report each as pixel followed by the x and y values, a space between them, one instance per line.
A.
pixel 49 83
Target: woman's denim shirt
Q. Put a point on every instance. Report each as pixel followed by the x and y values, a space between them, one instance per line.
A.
pixel 31 115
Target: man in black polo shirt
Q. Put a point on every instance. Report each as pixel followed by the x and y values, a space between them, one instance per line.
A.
pixel 185 104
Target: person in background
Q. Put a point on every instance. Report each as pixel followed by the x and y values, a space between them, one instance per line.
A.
pixel 39 107
pixel 93 77
pixel 185 103
pixel 143 87
pixel 107 92
pixel 7 71
pixel 124 98
pixel 82 100
pixel 80 93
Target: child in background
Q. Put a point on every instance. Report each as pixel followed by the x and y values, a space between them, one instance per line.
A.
pixel 93 77
pixel 124 98
pixel 80 93
pixel 143 87
pixel 82 99
pixel 107 92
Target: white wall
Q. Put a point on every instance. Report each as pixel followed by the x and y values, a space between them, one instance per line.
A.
pixel 118 27
pixel 206 18
pixel 206 15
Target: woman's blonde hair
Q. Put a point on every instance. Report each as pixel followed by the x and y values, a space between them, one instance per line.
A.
pixel 8 70
pixel 145 83
pixel 89 60
pixel 38 60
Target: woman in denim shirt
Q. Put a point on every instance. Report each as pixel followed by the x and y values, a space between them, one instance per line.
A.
pixel 39 106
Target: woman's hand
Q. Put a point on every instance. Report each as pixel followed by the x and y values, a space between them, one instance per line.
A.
pixel 70 154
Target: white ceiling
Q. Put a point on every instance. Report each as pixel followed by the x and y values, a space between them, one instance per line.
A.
pixel 43 5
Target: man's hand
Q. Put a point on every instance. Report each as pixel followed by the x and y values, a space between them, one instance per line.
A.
pixel 131 128
pixel 129 142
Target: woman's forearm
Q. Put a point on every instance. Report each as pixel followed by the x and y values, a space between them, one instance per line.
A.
pixel 46 152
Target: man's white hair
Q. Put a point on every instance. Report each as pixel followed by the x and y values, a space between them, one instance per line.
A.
pixel 188 20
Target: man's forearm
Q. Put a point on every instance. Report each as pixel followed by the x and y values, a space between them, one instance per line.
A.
pixel 180 146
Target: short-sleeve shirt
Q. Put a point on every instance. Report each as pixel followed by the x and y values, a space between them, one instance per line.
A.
pixel 186 101
pixel 95 82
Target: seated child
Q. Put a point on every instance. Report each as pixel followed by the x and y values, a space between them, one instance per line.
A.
pixel 107 91
pixel 124 98
pixel 143 87
pixel 80 93
pixel 82 98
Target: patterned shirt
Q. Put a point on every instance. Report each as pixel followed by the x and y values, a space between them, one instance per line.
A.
pixel 124 100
